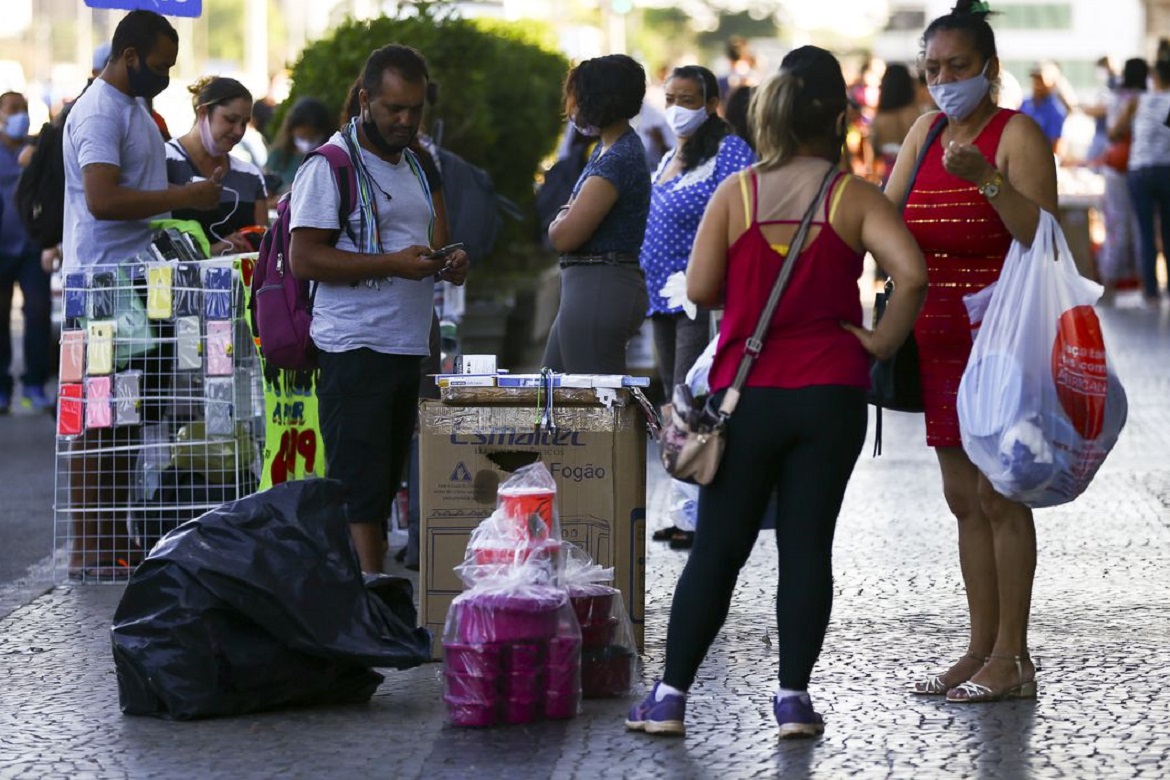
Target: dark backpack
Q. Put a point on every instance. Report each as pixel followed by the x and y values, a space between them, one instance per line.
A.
pixel 473 208
pixel 558 186
pixel 40 193
pixel 282 305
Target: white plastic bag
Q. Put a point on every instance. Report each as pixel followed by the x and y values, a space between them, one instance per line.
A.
pixel 1040 407
pixel 675 293
pixel 684 505
pixel 698 373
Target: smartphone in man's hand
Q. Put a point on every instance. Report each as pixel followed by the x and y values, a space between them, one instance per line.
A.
pixel 445 251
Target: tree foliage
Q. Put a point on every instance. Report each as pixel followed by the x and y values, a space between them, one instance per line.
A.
pixel 499 85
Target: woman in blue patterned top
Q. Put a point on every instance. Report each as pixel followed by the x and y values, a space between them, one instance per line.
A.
pixel 708 151
pixel 598 233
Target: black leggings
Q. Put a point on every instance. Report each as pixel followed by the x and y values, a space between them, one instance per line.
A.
pixel 805 442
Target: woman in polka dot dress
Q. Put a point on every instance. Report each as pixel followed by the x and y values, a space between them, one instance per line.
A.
pixel 708 151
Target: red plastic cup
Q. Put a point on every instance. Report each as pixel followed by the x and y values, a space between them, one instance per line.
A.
pixel 592 609
pixel 521 505
pixel 598 635
pixel 606 673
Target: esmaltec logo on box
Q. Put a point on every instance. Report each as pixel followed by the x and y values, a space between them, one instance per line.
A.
pixel 512 438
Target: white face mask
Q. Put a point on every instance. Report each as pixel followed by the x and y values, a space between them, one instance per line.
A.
pixel 959 99
pixel 685 121
pixel 304 145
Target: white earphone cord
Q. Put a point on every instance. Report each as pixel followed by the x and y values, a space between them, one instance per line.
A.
pixel 224 221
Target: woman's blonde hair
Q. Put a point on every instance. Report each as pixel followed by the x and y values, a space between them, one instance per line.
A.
pixel 800 106
pixel 771 110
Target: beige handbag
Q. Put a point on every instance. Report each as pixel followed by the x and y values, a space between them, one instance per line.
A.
pixel 694 434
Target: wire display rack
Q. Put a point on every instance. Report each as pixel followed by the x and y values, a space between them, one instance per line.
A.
pixel 160 412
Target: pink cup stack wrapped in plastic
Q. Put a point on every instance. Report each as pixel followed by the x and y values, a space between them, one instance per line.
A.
pixel 511 640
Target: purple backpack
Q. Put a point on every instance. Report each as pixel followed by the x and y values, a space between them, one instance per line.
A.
pixel 282 305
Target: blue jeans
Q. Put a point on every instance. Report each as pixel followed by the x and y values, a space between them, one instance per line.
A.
pixel 25 270
pixel 1149 188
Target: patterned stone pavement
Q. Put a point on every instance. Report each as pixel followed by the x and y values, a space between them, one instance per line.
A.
pixel 1101 633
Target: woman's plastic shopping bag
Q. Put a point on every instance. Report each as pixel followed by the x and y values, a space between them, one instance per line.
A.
pixel 1040 405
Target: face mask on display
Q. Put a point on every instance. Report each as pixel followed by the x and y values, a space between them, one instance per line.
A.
pixel 379 140
pixel 304 145
pixel 144 82
pixel 210 144
pixel 959 99
pixel 16 127
pixel 589 131
pixel 685 121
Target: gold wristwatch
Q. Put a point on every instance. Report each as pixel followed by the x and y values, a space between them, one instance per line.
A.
pixel 990 189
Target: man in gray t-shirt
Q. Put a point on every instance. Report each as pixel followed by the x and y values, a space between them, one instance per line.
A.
pixel 115 182
pixel 115 164
pixel 373 306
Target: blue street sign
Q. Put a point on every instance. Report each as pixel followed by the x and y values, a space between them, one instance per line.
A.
pixel 164 7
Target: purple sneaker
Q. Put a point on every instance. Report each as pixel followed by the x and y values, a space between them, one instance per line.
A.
pixel 796 717
pixel 659 717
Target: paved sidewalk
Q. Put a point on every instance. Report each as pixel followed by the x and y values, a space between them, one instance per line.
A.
pixel 1101 631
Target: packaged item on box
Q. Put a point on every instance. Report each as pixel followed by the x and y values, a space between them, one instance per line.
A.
pixel 219 406
pixel 128 398
pixel 475 364
pixel 98 411
pixel 75 294
pixel 99 353
pixel 70 410
pixel 219 348
pixel 529 497
pixel 187 290
pixel 188 343
pixel 217 293
pixel 72 364
pixel 102 295
pixel 608 653
pixel 159 296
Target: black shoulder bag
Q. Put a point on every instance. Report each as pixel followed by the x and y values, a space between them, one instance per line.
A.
pixel 895 383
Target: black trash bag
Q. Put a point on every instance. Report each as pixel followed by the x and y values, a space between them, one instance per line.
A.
pixel 260 604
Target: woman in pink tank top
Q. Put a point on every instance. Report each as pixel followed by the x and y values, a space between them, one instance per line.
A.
pixel 981 185
pixel 800 421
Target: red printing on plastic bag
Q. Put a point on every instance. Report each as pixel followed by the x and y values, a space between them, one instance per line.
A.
pixel 1078 369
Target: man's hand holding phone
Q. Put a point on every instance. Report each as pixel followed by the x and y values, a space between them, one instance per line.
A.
pixel 454 268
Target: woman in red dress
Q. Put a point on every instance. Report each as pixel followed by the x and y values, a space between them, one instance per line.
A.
pixel 982 184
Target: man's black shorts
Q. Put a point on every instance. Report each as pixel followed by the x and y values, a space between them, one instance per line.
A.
pixel 368 407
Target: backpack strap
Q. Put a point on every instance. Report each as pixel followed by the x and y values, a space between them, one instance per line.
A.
pixel 345 177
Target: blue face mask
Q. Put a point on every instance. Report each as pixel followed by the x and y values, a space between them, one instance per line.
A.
pixel 959 99
pixel 16 127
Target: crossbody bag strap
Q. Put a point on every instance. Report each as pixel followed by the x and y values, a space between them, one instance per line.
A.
pixel 940 124
pixel 755 344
